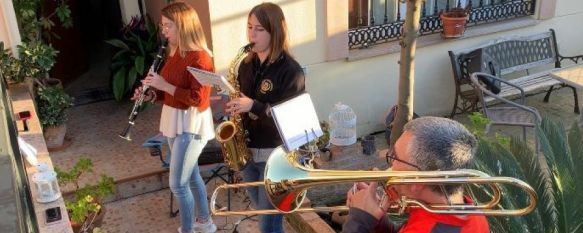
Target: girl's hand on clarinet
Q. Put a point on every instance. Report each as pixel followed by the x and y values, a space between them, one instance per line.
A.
pixel 137 93
pixel 149 95
pixel 156 81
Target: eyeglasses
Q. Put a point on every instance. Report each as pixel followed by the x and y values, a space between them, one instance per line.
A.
pixel 165 26
pixel 391 156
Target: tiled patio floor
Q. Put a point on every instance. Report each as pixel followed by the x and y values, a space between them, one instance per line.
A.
pixel 93 129
pixel 150 213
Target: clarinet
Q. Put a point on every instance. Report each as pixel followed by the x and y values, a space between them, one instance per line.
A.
pixel 156 65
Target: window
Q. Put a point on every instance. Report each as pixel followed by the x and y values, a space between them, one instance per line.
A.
pixel 378 21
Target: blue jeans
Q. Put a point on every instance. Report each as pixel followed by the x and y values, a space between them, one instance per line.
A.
pixel 185 180
pixel 271 223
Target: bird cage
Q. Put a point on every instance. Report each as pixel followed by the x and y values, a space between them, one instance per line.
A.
pixel 342 125
pixel 46 184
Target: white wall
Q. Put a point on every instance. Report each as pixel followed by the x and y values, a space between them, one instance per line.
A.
pixel 128 9
pixel 369 86
pixel 8 26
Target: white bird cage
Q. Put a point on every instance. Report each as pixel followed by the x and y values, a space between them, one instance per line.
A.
pixel 342 125
pixel 46 184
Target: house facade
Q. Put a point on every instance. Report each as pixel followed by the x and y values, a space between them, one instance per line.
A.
pixel 366 79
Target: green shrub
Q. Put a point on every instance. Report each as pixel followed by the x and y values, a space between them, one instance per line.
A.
pixel 87 199
pixel 552 172
pixel 52 104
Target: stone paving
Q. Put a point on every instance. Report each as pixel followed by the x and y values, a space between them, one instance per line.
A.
pixel 150 213
pixel 93 129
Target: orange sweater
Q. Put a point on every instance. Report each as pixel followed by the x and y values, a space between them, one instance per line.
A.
pixel 189 92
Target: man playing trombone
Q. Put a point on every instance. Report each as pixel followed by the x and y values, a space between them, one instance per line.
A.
pixel 427 144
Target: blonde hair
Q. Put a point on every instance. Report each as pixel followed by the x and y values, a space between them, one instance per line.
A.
pixel 271 17
pixel 190 34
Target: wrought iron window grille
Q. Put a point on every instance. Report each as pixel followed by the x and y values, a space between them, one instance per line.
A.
pixel 482 12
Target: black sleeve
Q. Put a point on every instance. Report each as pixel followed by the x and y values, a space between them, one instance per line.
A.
pixel 359 221
pixel 293 84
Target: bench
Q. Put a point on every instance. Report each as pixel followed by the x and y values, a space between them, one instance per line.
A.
pixel 511 55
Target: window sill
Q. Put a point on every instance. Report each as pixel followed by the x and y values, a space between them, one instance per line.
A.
pixel 427 40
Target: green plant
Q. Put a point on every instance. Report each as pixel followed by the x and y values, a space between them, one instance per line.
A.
pixel 36 59
pixel 137 49
pixel 477 126
pixel 52 103
pixel 88 199
pixel 323 140
pixel 553 174
pixel 33 25
pixel 9 65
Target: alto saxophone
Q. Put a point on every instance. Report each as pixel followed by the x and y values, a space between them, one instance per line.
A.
pixel 231 134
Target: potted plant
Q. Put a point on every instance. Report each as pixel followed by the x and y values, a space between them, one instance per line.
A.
pixel 85 207
pixel 36 60
pixel 36 57
pixel 52 104
pixel 323 141
pixel 135 51
pixel 9 66
pixel 454 21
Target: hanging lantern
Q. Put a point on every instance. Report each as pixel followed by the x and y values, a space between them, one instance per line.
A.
pixel 46 183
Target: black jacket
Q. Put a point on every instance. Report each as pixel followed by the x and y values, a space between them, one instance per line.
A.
pixel 268 84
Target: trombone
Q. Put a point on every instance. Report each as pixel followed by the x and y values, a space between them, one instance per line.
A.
pixel 287 180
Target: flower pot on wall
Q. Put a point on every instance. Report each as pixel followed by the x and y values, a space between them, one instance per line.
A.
pixel 454 22
pixel 55 136
pixel 91 222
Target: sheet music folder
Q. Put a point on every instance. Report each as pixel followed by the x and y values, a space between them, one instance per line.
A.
pixel 211 79
pixel 296 121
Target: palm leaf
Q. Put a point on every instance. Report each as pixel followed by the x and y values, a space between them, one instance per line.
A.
pixel 493 158
pixel 528 161
pixel 551 197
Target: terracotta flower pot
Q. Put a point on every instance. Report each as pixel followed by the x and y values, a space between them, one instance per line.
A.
pixel 454 23
pixel 55 136
pixel 97 220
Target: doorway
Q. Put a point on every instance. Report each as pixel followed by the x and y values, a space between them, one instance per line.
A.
pixel 84 58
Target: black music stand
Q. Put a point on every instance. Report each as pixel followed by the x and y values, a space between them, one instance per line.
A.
pixel 211 158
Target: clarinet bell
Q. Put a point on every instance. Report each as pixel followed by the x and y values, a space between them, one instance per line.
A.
pixel 126 134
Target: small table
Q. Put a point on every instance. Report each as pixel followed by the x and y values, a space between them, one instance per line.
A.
pixel 572 75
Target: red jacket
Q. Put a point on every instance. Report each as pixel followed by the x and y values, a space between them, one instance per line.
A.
pixel 189 92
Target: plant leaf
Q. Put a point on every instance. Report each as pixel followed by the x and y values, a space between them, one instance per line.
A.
pixel 118 44
pixel 131 78
pixel 139 65
pixel 119 84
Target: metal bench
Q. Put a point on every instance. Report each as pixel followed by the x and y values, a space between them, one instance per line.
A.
pixel 511 55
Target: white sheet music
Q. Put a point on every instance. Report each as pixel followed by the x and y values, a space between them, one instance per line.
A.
pixel 297 121
pixel 209 78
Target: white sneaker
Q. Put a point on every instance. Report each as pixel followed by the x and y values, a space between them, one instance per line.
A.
pixel 207 227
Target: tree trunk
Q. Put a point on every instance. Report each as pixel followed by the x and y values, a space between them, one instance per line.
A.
pixel 407 68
